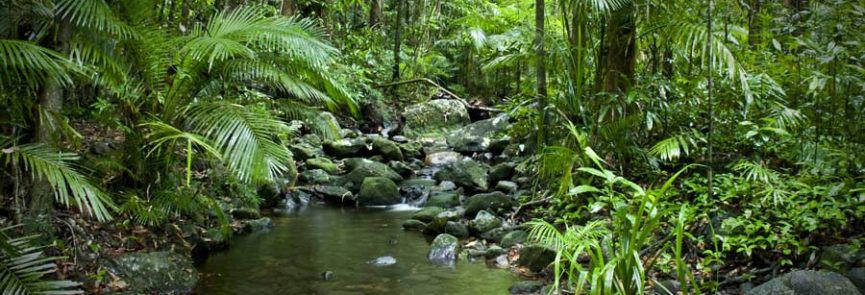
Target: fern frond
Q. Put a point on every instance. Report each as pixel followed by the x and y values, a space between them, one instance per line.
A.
pixel 24 266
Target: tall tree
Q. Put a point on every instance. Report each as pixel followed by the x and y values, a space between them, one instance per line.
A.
pixel 618 54
pixel 397 39
pixel 288 7
pixel 541 69
pixel 375 13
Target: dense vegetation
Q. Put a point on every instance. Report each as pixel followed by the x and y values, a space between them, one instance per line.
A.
pixel 668 138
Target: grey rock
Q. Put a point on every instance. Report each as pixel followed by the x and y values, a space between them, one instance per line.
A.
pixel 494 202
pixel 444 200
pixel 258 225
pixel 484 222
pixel 535 258
pixel 478 136
pixel 442 158
pixel 383 261
pixel 155 272
pixel 506 186
pixel 802 282
pixel 335 194
pixel 502 171
pixel 434 117
pixel 427 214
pixel 444 250
pixel 526 287
pixel 466 173
pixel 316 176
pixel 457 229
pixel 857 277
pixel 513 238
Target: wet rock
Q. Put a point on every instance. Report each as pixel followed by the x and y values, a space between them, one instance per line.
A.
pixel 484 222
pixel 401 167
pixel 493 202
pixel 501 261
pixel 444 250
pixel 303 151
pixel 383 261
pixel 810 282
pixel 366 168
pixel 258 225
pixel 535 258
pixel 335 194
pixel 413 224
pixel 502 171
pixel 857 277
pixel 411 150
pixel 506 186
pixel 516 150
pixel 399 139
pixel 427 214
pixel 296 199
pixel 327 275
pixel 526 287
pixel 444 200
pixel 838 257
pixel 329 122
pixel 245 213
pixel 456 229
pixel 494 251
pixel 322 163
pixel 417 190
pixel 447 185
pixel 442 158
pixel 378 191
pixel 349 133
pixel 434 117
pixel 155 272
pixel 477 136
pixel 466 173
pixel 316 176
pixel 496 235
pixel 348 147
pixel 387 149
pixel 513 238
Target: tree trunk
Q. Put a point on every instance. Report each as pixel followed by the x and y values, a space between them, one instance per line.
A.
pixel 541 70
pixel 397 40
pixel 375 13
pixel 288 8
pixel 617 57
pixel 754 25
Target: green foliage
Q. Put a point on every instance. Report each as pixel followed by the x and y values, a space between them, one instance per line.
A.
pixel 24 266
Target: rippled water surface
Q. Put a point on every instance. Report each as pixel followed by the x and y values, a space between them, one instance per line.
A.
pixel 292 257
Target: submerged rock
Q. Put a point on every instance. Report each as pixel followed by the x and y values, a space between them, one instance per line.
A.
pixel 378 191
pixel 413 224
pixel 155 272
pixel 444 250
pixel 434 117
pixel 477 136
pixel 526 287
pixel 383 261
pixel 810 282
pixel 258 225
pixel 327 275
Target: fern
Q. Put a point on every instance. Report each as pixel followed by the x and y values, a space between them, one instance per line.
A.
pixel 674 147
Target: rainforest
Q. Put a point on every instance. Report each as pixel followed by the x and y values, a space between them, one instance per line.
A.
pixel 432 147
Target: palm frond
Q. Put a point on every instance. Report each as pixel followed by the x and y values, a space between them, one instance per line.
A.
pixel 68 184
pixel 674 147
pixel 94 15
pixel 23 268
pixel 25 62
pixel 244 137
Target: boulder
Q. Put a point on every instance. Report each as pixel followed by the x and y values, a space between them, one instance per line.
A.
pixel 857 277
pixel 245 213
pixel 427 214
pixel 444 250
pixel 494 202
pixel 484 222
pixel 447 185
pixel 536 258
pixel 506 186
pixel 329 123
pixel 502 171
pixel 513 238
pixel 335 194
pixel 494 251
pixel 443 200
pixel 496 235
pixel 378 191
pixel 322 163
pixel 303 151
pixel 466 173
pixel 809 282
pixel 155 272
pixel 457 229
pixel 348 147
pixel 386 148
pixel 258 225
pixel 315 176
pixel 401 167
pixel 363 169
pixel 839 257
pixel 413 224
pixel 435 117
pixel 417 190
pixel 442 158
pixel 477 136
pixel 411 149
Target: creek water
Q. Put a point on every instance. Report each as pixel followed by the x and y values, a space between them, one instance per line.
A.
pixel 292 257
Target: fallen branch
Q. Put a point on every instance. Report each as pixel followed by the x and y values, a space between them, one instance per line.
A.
pixel 436 85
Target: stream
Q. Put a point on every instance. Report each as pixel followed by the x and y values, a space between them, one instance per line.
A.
pixel 292 257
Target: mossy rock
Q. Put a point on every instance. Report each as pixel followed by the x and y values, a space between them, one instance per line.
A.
pixel 435 117
pixel 513 238
pixel 155 272
pixel 322 163
pixel 495 202
pixel 386 148
pixel 484 222
pixel 477 136
pixel 364 169
pixel 444 250
pixel 316 176
pixel 536 258
pixel 444 200
pixel 378 191
pixel 467 173
pixel 427 214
